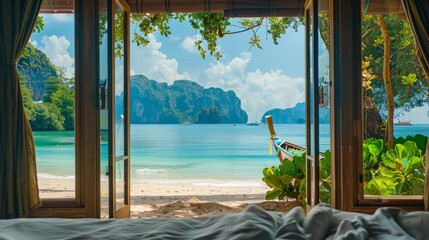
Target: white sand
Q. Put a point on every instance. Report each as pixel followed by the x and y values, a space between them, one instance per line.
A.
pixel 181 200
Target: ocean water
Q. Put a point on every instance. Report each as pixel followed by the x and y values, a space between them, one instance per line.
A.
pixel 216 155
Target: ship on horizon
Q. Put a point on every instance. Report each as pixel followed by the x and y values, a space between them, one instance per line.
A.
pixel 404 123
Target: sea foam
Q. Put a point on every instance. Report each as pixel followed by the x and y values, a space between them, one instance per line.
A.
pixel 148 171
pixel 52 176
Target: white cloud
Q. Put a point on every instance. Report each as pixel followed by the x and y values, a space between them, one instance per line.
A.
pixel 34 43
pixel 56 49
pixel 154 64
pixel 189 45
pixel 259 91
pixel 174 38
pixel 59 17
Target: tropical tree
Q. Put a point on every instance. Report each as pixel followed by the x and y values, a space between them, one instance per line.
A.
pixel 27 96
pixel 52 85
pixel 209 27
pixel 389 56
pixel 63 99
pixel 46 117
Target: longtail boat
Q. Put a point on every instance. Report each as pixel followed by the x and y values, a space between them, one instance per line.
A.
pixel 282 147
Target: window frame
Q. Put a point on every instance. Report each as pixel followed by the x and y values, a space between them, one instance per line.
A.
pixel 87 194
pixel 346 115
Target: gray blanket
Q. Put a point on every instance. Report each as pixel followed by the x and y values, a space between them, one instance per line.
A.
pixel 322 222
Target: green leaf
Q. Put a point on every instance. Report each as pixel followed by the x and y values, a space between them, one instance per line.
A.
pixel 414 164
pixel 412 185
pixel 283 169
pixel 286 179
pixel 325 165
pixel 420 141
pixel 391 173
pixel 389 159
pixel 325 162
pixel 282 195
pixel 325 192
pixel 271 195
pixel 410 79
pixel 274 180
pixel 416 183
pixel 401 152
pixel 376 147
pixel 300 166
pixel 289 168
pixel 268 171
pixel 381 185
pixel 365 154
pixel 411 148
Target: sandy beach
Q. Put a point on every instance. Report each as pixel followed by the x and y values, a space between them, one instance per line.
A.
pixel 180 200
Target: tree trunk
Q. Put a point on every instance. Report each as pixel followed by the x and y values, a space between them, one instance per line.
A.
pixel 387 80
pixel 372 121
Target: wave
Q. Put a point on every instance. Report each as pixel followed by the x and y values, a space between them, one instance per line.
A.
pixel 52 176
pixel 242 184
pixel 253 183
pixel 148 171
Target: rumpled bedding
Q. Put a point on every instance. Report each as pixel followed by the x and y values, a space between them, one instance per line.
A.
pixel 322 222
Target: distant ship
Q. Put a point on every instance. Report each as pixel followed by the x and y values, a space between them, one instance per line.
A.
pixel 255 123
pixel 404 123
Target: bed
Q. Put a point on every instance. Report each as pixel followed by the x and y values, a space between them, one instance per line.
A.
pixel 322 222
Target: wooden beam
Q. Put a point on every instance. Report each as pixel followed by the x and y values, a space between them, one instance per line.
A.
pixel 264 12
pixel 218 6
pixel 383 7
pixel 238 8
pixel 57 6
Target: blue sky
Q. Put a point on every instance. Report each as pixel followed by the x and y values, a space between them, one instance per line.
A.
pixel 262 79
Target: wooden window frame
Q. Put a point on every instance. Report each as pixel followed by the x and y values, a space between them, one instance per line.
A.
pixel 87 121
pixel 125 210
pixel 311 99
pixel 346 114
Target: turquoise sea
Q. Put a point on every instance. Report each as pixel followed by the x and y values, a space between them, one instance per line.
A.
pixel 217 155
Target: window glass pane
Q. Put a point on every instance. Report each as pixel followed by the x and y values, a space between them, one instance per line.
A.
pixel 310 150
pixel 394 98
pixel 120 184
pixel 324 107
pixel 47 75
pixel 104 111
pixel 119 83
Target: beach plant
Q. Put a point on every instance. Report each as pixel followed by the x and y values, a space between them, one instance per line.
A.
pixel 286 179
pixel 419 139
pixel 371 152
pixel 325 177
pixel 400 171
pixel 396 171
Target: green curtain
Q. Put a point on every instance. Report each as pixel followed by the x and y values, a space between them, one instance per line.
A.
pixel 417 12
pixel 19 194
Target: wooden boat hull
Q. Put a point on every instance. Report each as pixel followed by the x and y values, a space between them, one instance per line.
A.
pixel 282 147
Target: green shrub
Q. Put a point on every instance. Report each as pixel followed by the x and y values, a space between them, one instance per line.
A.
pixel 288 179
pixel 285 180
pixel 397 171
